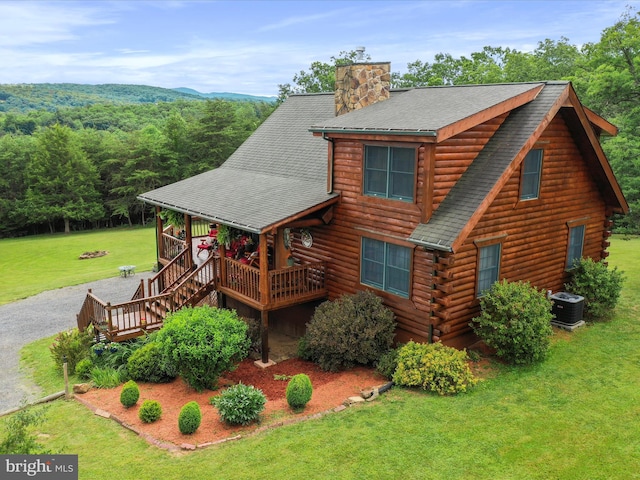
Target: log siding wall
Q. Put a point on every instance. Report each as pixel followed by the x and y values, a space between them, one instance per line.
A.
pixel 442 294
pixel 535 246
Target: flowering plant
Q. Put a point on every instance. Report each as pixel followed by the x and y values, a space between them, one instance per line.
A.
pixel 99 347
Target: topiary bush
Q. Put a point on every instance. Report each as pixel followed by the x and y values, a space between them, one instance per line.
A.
pixel 516 322
pixel 129 394
pixel 150 411
pixel 72 345
pixel 240 404
pixel 433 367
pixel 351 330
pixel 201 343
pixel 189 418
pixel 148 364
pixel 83 368
pixel 599 286
pixel 299 391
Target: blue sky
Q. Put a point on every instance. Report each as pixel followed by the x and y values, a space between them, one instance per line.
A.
pixel 252 46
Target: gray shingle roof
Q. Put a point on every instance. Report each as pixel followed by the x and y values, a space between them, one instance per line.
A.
pixel 466 196
pixel 278 172
pixel 425 109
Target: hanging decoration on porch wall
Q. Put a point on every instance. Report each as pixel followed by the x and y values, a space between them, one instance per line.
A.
pixel 306 238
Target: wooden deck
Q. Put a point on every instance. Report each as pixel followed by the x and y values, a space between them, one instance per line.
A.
pixel 184 283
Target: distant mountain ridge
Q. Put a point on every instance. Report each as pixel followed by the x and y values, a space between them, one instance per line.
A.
pixel 23 97
pixel 226 95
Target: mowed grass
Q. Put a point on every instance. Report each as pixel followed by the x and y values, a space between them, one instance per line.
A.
pixel 30 265
pixel 574 416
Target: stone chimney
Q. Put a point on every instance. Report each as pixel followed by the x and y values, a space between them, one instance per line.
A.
pixel 361 84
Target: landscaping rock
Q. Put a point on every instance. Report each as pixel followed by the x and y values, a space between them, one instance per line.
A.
pixel 81 388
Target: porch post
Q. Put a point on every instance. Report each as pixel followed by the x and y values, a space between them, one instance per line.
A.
pixel 188 237
pixel 159 238
pixel 264 316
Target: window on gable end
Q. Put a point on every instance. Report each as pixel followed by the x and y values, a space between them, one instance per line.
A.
pixel 531 174
pixel 576 244
pixel 389 172
pixel 488 263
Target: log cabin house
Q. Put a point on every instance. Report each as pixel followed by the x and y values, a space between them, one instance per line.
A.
pixel 424 195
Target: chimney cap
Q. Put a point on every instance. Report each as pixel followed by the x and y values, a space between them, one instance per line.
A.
pixel 360 54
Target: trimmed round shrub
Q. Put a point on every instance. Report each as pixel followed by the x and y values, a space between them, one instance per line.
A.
pixel 299 391
pixel 351 330
pixel 516 322
pixel 202 343
pixel 240 404
pixel 150 411
pixel 189 418
pixel 129 394
pixel 148 364
pixel 83 368
pixel 433 367
pixel 599 286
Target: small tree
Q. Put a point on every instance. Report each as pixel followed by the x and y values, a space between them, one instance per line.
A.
pixel 20 439
pixel 599 286
pixel 516 321
pixel 203 342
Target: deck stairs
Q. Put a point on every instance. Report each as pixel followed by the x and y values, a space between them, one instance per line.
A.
pixel 178 284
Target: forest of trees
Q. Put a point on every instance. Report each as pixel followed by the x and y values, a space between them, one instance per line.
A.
pixel 78 167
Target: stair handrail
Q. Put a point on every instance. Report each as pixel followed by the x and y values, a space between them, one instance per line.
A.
pixel 162 282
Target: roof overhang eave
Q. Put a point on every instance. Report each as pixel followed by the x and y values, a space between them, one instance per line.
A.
pixel 211 218
pixel 432 246
pixel 372 131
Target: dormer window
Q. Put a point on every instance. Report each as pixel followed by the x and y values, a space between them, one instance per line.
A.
pixel 531 173
pixel 389 172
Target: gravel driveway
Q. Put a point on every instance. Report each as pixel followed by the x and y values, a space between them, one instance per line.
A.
pixel 41 316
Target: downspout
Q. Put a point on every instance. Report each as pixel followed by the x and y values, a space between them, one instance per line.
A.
pixel 330 163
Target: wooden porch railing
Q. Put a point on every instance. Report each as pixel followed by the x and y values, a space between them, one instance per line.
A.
pixel 171 246
pixel 292 284
pixel 242 279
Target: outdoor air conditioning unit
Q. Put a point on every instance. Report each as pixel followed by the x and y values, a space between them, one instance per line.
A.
pixel 567 308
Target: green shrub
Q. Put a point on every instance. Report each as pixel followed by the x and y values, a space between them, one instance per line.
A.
pixel 599 286
pixel 150 411
pixel 189 418
pixel 516 321
pixel 388 362
pixel 240 404
pixel 129 394
pixel 20 438
pixel 433 367
pixel 351 330
pixel 83 368
pixel 105 377
pixel 148 364
pixel 202 343
pixel 299 391
pixel 72 345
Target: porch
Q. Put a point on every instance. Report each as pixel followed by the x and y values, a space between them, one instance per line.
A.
pixel 189 280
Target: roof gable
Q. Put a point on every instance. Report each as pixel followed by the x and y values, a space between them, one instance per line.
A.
pixel 460 211
pixel 439 112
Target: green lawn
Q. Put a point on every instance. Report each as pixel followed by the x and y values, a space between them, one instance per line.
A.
pixel 575 416
pixel 31 265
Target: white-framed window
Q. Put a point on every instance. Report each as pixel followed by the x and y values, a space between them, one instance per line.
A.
pixel 531 174
pixel 488 267
pixel 385 266
pixel 389 172
pixel 576 244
